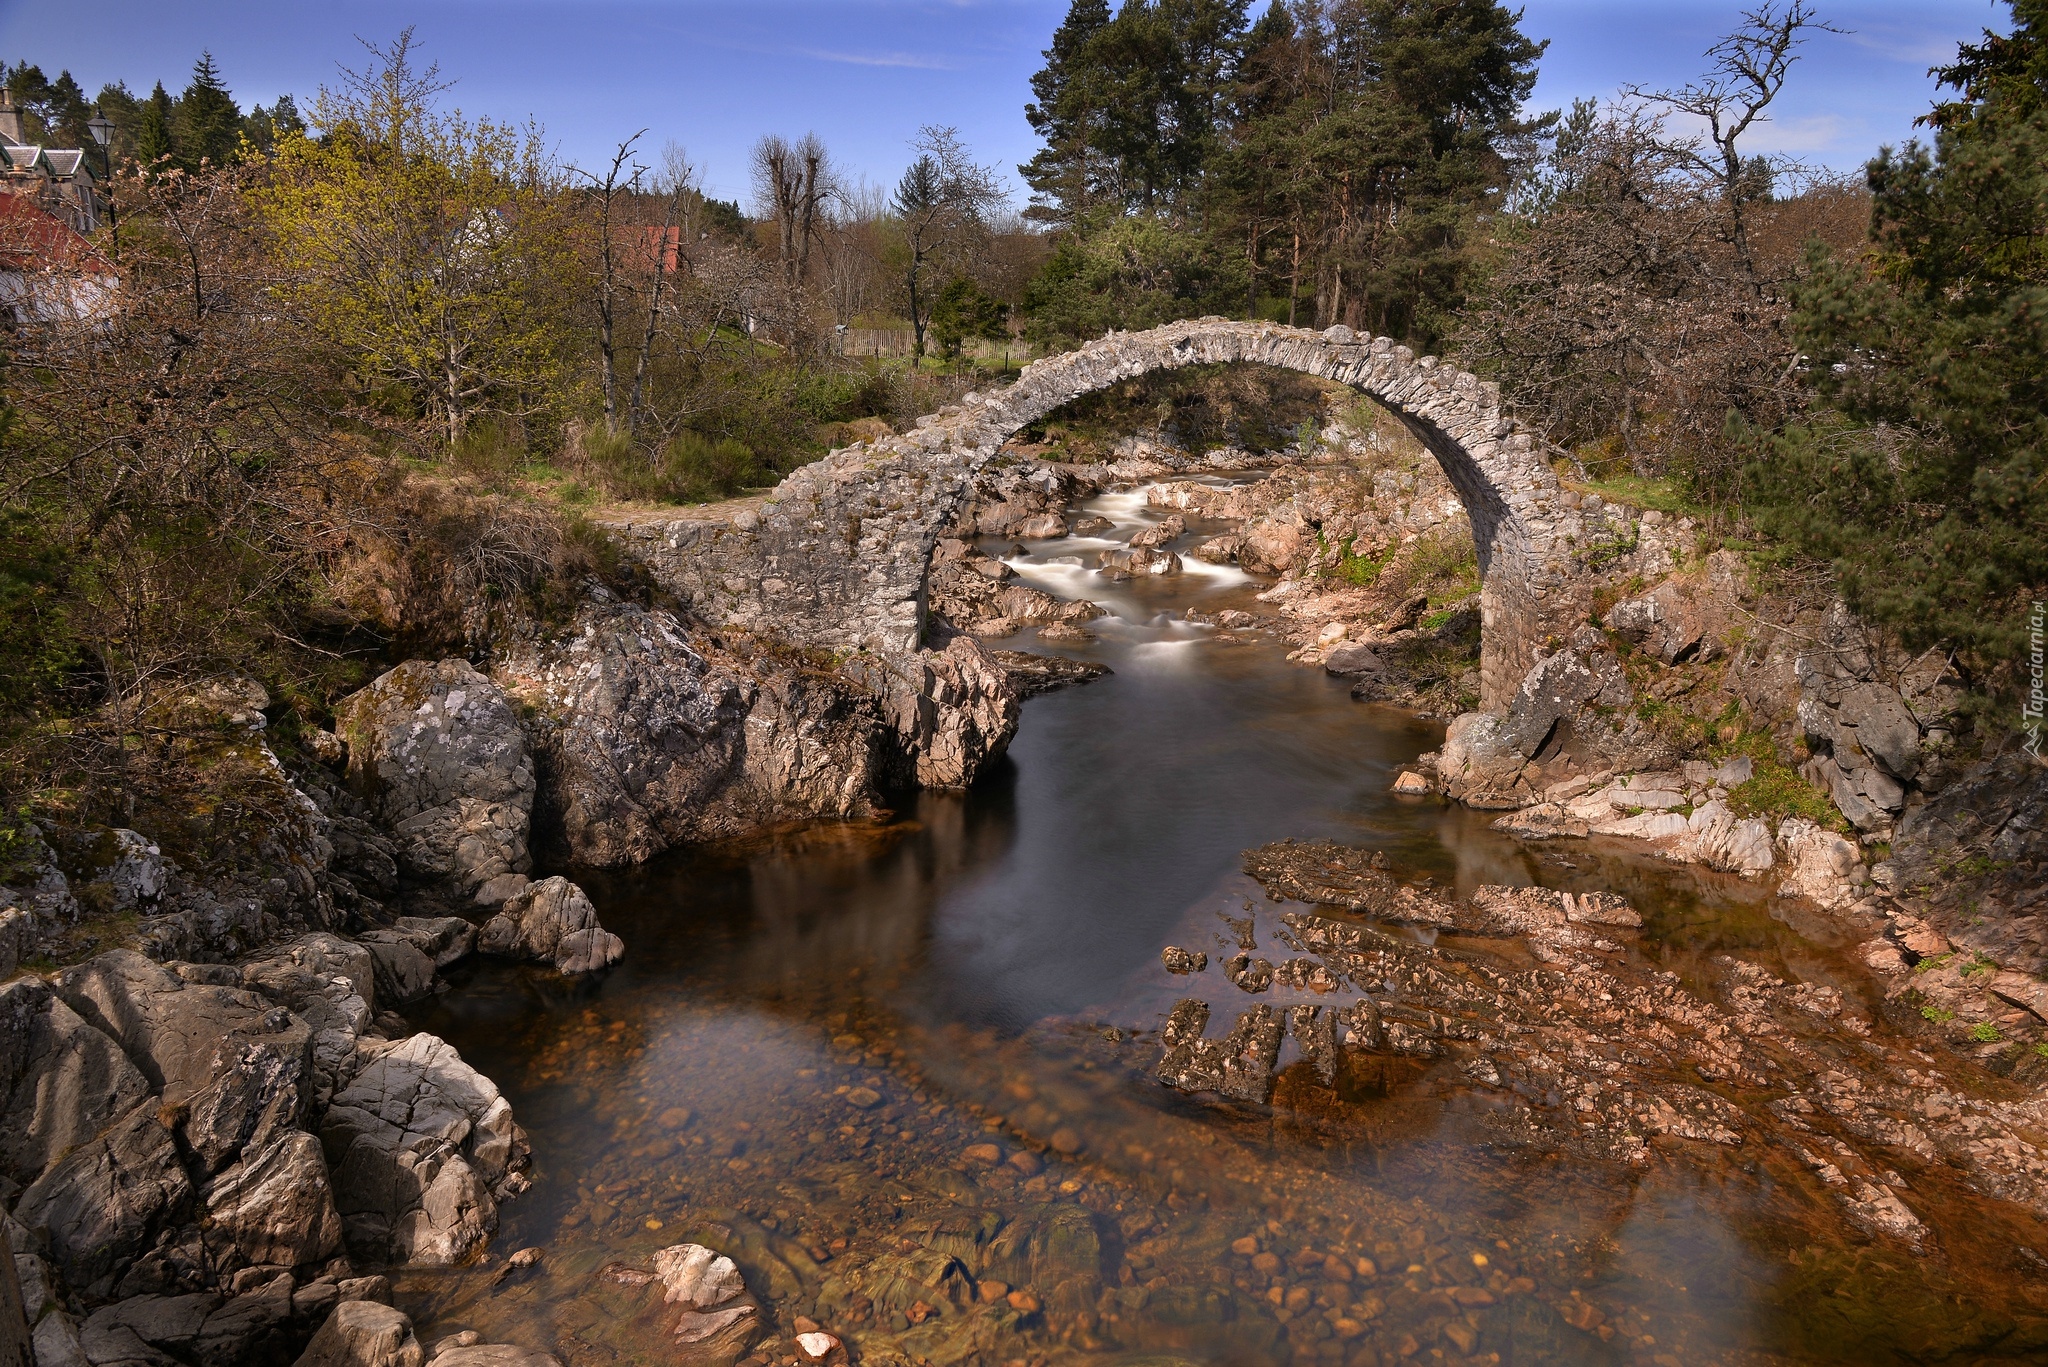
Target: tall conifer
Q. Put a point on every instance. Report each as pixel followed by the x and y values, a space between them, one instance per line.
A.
pixel 212 125
pixel 155 141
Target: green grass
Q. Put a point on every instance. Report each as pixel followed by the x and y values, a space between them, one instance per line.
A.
pixel 1361 571
pixel 1940 1015
pixel 1638 491
pixel 1775 790
pixel 1985 1033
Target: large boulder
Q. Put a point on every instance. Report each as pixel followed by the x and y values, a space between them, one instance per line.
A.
pixel 103 1204
pixel 1883 727
pixel 1554 692
pixel 952 711
pixel 275 1207
pixel 146 1330
pixel 552 922
pixel 330 983
pixel 61 1080
pixel 233 1068
pixel 1479 758
pixel 1975 855
pixel 1817 863
pixel 1682 619
pixel 437 751
pixel 422 1148
pixel 364 1334
pixel 645 741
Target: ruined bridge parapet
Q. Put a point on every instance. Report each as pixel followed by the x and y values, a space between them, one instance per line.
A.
pixel 835 558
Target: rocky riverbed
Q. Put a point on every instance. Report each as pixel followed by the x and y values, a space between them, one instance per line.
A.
pixel 1232 1015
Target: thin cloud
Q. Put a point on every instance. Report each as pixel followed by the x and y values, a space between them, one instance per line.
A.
pixel 1818 133
pixel 1920 48
pixel 893 59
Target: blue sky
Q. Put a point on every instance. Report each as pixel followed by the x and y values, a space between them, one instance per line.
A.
pixel 715 74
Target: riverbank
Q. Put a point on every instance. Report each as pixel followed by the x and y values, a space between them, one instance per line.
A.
pixel 938 1076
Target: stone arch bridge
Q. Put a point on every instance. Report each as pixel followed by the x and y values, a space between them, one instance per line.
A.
pixel 836 556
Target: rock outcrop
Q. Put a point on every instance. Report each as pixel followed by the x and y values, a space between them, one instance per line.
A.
pixel 949 711
pixel 423 1148
pixel 174 1202
pixel 551 922
pixel 1575 1042
pixel 1972 861
pixel 646 740
pixel 437 750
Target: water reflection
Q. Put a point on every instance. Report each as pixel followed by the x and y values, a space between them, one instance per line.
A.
pixel 843 1042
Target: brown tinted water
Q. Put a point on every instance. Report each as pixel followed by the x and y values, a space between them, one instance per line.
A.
pixel 901 1071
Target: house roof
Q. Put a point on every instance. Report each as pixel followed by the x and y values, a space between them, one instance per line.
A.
pixel 65 161
pixel 23 158
pixel 33 238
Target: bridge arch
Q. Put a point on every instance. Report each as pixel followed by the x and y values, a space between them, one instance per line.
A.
pixel 836 556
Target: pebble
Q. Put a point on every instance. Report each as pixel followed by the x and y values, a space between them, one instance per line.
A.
pixel 983 1155
pixel 1023 1302
pixel 1245 1247
pixel 816 1347
pixel 1066 1141
pixel 866 1098
pixel 675 1117
pixel 1026 1162
pixel 525 1257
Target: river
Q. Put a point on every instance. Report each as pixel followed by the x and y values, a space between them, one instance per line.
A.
pixel 901 1070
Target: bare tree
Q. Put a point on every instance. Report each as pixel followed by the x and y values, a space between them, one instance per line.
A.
pixel 792 182
pixel 1618 312
pixel 1749 69
pixel 669 247
pixel 856 276
pixel 945 201
pixel 620 182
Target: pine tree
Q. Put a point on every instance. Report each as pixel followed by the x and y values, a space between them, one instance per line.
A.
pixel 1925 484
pixel 1067 102
pixel 211 124
pixel 154 140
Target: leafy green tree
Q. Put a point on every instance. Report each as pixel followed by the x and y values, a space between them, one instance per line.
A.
pixel 1068 102
pixel 430 253
pixel 1369 137
pixel 1135 272
pixel 964 310
pixel 1341 150
pixel 942 205
pixel 1927 485
pixel 264 128
pixel 54 112
pixel 1130 107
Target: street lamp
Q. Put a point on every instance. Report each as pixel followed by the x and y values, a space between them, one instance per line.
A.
pixel 102 129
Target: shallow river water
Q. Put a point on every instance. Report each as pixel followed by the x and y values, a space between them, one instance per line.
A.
pixel 901 1072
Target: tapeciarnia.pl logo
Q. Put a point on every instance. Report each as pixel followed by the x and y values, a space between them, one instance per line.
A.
pixel 2036 705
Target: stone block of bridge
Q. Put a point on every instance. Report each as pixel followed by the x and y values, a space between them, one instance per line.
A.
pixel 835 558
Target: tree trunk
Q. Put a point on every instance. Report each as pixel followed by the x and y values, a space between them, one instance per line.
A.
pixel 1294 279
pixel 916 316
